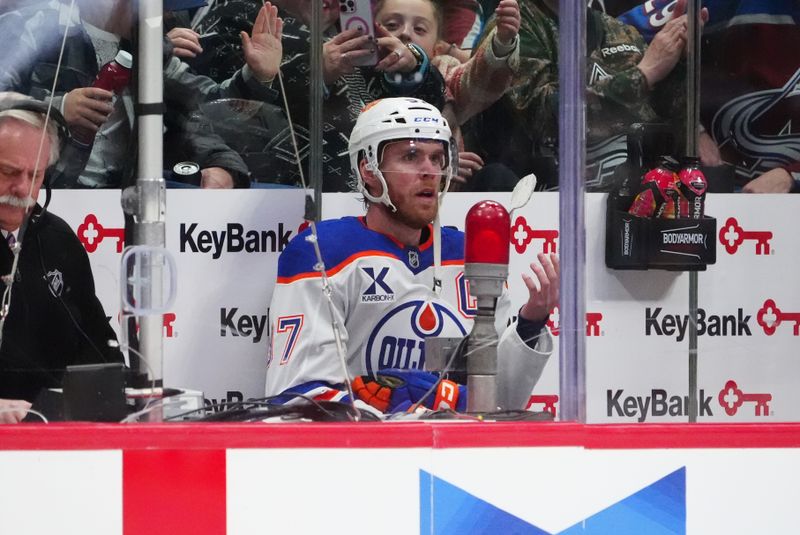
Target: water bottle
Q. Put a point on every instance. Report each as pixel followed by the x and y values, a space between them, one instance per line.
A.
pixel 692 185
pixel 653 199
pixel 114 76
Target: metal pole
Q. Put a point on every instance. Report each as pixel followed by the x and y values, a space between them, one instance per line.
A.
pixel 571 169
pixel 315 109
pixel 150 221
pixel 692 120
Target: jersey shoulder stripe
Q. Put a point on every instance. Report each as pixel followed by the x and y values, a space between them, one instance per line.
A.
pixel 341 242
pixel 333 270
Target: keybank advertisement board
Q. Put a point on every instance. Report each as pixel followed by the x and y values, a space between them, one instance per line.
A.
pixel 523 490
pixel 226 246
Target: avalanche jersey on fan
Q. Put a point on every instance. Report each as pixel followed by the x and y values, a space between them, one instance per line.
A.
pixel 750 86
pixel 651 16
pixel 383 299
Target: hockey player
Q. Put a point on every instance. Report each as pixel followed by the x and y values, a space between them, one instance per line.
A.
pixel 381 269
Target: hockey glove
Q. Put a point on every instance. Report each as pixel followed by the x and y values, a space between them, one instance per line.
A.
pixel 395 390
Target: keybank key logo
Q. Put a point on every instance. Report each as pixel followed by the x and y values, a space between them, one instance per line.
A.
pixel 523 235
pixel 593 320
pixel 659 403
pixel 731 235
pixel 731 398
pixel 543 402
pixel 91 233
pixel 168 324
pixel 770 317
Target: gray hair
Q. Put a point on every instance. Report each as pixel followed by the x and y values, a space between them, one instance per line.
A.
pixel 32 118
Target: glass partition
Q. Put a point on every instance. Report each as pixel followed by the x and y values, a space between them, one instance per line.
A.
pixel 592 103
pixel 693 338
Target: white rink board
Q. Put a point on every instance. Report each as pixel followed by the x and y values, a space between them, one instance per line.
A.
pixel 217 340
pixel 549 488
pixel 720 491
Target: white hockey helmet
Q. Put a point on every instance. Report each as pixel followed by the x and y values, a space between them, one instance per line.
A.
pixel 395 119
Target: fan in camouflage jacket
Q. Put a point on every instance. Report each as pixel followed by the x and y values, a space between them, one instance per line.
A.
pixel 617 93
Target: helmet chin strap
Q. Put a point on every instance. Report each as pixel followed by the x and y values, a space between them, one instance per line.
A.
pixel 383 198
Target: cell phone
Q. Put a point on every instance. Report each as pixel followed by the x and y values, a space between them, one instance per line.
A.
pixel 358 14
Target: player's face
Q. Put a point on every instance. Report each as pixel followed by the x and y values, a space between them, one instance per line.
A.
pixel 411 21
pixel 414 170
pixel 19 145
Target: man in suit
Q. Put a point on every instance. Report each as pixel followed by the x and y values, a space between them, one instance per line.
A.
pixel 50 316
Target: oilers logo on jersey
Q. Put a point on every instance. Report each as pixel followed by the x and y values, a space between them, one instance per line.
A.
pixel 398 338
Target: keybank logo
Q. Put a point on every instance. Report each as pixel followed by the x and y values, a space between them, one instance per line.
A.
pixel 233 323
pixel 731 398
pixel 660 403
pixel 233 239
pixel 91 233
pixel 677 325
pixel 543 402
pixel 770 317
pixel 522 235
pixel 593 320
pixel 732 235
pixel 168 325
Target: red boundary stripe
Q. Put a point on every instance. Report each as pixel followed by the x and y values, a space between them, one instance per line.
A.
pixel 165 492
pixel 219 436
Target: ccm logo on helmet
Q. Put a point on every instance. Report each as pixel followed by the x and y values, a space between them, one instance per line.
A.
pixel 426 120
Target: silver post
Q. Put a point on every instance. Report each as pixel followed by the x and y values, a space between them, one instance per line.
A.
pixel 692 120
pixel 486 284
pixel 150 220
pixel 571 169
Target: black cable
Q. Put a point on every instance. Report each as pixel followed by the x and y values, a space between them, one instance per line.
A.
pixel 261 408
pixel 222 404
pixel 310 400
pixel 306 411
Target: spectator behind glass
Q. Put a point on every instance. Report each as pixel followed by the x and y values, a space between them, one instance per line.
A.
pixel 240 108
pixel 748 74
pixel 471 86
pixel 462 24
pixel 96 31
pixel 348 88
pixel 627 83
